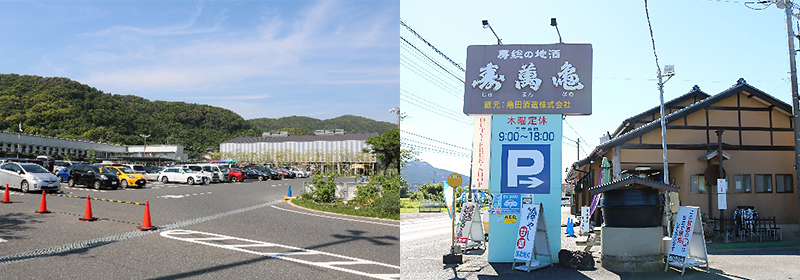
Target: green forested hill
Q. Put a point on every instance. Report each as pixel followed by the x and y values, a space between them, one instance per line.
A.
pixel 62 107
pixel 65 108
pixel 297 125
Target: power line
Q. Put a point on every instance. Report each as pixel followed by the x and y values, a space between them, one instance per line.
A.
pixel 433 110
pixel 431 45
pixel 437 150
pixel 431 59
pixel 450 111
pixel 434 140
pixel 576 133
pixel 417 69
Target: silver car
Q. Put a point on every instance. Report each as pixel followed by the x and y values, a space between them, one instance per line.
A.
pixel 28 177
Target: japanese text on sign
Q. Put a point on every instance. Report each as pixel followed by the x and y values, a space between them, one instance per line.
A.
pixel 507 79
pixel 467 211
pixel 682 234
pixel 526 234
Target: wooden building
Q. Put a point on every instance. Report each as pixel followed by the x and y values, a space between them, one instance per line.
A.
pixel 757 145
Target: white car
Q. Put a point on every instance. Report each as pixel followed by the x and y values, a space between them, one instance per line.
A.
pixel 205 169
pixel 28 177
pixel 300 173
pixel 182 175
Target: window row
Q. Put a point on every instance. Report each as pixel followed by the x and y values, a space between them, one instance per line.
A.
pixel 742 183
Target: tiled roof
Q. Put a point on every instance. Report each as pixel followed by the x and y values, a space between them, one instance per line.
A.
pixel 740 86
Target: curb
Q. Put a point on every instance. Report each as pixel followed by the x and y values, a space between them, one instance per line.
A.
pixel 344 215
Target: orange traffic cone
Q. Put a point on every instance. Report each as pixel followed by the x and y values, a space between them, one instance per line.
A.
pixel 43 205
pixel 6 198
pixel 146 219
pixel 87 216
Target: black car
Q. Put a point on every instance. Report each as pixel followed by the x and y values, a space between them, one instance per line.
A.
pixel 289 174
pixel 94 176
pixel 255 173
pixel 273 174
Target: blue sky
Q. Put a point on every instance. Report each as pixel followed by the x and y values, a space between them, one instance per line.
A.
pixel 711 44
pixel 272 59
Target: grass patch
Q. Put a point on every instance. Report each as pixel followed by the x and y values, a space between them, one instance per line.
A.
pixel 347 209
pixel 753 244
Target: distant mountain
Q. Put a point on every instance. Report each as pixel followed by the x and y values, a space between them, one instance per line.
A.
pixel 418 173
pixel 298 125
pixel 61 107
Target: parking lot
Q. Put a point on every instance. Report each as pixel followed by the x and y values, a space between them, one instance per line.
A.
pixel 234 230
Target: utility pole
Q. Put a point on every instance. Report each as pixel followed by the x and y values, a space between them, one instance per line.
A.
pixel 795 104
pixel 721 176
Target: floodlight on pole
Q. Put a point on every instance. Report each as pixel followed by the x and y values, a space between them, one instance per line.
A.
pixel 486 25
pixel 145 142
pixel 553 23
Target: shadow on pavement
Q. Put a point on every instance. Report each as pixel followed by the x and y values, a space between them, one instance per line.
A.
pixel 12 223
pixel 757 251
pixel 358 235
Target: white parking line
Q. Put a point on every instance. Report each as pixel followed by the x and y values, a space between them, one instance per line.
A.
pixel 12 191
pixel 181 195
pixel 287 255
pixel 335 217
pixel 83 189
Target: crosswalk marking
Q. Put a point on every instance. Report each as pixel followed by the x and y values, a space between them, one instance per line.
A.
pixel 334 264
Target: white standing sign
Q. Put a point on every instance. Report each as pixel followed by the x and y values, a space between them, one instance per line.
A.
pixel 482 139
pixel 532 240
pixel 688 247
pixel 722 193
pixel 465 223
pixel 526 233
pixel 584 219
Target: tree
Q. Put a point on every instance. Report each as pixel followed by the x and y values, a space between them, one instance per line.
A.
pixel 386 147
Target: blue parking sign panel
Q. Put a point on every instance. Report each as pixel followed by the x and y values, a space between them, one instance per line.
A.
pixel 525 148
pixel 527 168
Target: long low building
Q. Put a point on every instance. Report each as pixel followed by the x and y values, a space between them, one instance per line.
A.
pixel 20 144
pixel 321 152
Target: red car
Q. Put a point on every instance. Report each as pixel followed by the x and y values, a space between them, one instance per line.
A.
pixel 236 175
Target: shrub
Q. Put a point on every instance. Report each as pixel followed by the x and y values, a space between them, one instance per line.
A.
pixel 324 188
pixel 367 194
pixel 389 201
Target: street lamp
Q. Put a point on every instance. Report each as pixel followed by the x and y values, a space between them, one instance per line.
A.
pixel 486 25
pixel 144 151
pixel 553 23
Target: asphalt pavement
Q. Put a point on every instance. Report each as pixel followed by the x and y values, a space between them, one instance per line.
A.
pixel 425 238
pixel 229 230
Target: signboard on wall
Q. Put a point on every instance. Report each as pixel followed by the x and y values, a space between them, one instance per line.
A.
pixel 539 79
pixel 511 203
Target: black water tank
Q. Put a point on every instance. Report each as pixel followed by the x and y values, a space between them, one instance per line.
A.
pixel 632 208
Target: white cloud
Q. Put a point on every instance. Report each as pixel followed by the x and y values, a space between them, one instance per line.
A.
pixel 221 58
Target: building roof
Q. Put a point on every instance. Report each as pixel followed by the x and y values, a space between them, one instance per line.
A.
pixel 740 86
pixel 695 95
pixel 630 181
pixel 302 138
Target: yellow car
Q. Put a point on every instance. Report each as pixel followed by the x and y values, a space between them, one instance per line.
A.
pixel 127 177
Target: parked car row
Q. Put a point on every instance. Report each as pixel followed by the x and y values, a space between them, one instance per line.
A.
pixel 28 175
